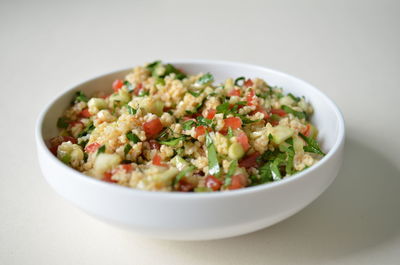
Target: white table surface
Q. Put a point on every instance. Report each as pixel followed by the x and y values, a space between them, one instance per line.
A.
pixel 348 49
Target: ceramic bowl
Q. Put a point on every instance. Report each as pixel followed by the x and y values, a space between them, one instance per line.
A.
pixel 197 216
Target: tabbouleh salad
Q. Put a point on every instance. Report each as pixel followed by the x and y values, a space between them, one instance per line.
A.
pixel 163 130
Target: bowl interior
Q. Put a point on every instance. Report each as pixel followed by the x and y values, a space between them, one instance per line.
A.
pixel 326 116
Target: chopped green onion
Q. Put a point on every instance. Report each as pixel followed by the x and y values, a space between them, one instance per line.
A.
pixel 237 80
pixel 183 173
pixel 187 125
pixel 128 85
pixel 231 170
pixel 194 93
pixel 297 99
pixel 80 97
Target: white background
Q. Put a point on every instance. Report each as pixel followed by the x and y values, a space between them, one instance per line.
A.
pixel 348 49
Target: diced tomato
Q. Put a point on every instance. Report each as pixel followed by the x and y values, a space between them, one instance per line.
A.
pixel 211 113
pixel 250 98
pixel 154 144
pixel 200 130
pixel 157 161
pixel 127 167
pixel 166 109
pixel 85 113
pixel 153 127
pixel 249 161
pixel 58 140
pixel 262 110
pixel 108 177
pixel 243 140
pixel 279 112
pixel 233 122
pixel 213 183
pixel 248 83
pixel 307 130
pixel 92 147
pixel 105 96
pixel 74 123
pixel 117 84
pixel 238 182
pixel 234 92
pixel 185 185
pixel 138 87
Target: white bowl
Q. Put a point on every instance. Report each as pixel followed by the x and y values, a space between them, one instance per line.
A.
pixel 198 216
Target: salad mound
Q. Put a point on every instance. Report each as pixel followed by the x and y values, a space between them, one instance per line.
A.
pixel 161 129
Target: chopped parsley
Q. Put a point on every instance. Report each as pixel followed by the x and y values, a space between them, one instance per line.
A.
pixel 132 137
pixel 101 149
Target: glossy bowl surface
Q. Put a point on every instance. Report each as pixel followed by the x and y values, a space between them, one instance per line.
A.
pixel 197 216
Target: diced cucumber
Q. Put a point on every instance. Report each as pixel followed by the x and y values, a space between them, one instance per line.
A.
pixel 235 151
pixel 106 162
pixel 179 162
pixel 286 101
pixel 96 104
pixel 298 144
pixel 281 133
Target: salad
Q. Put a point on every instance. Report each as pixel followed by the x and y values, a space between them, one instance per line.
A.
pixel 160 129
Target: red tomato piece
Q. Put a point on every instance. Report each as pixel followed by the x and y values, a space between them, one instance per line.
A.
pixel 249 161
pixel 262 110
pixel 248 83
pixel 250 98
pixel 238 182
pixel 211 113
pixel 138 87
pixel 279 112
pixel 108 177
pixel 243 140
pixel 307 130
pixel 154 144
pixel 85 113
pixel 234 92
pixel 185 185
pixel 233 122
pixel 58 140
pixel 74 123
pixel 92 147
pixel 117 84
pixel 213 183
pixel 153 127
pixel 200 130
pixel 157 161
pixel 127 167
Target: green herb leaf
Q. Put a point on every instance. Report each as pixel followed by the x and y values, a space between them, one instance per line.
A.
pixel 127 148
pixel 231 170
pixel 195 93
pixel 101 149
pixel 131 110
pixel 182 174
pixel 205 79
pixel 80 97
pixel 187 125
pixel 237 80
pixel 172 141
pixel 297 99
pixel 213 164
pixel 128 85
pixel 223 108
pixel 143 93
pixel 89 128
pixel 132 137
pixel 230 132
pixel 312 145
pixel 203 121
pixel 62 122
pixel 169 69
pixel 298 114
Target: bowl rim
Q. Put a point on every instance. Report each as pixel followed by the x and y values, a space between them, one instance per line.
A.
pixel 41 144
